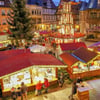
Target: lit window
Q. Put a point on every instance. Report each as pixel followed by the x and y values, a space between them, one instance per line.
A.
pixel 8 12
pixel 3 12
pixel 1 2
pixel 3 22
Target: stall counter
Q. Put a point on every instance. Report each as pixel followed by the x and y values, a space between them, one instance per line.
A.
pixel 83 92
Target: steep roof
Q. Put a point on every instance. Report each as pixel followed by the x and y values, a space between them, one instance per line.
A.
pixel 92 4
pixel 68 59
pixel 35 2
pixel 84 54
pixel 83 6
pixel 42 3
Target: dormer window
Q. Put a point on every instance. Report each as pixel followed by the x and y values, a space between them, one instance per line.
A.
pixel 1 2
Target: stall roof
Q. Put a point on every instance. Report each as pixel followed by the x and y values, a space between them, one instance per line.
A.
pixel 68 59
pixel 94 45
pixel 26 60
pixel 2 33
pixel 72 46
pixel 84 54
pixel 10 53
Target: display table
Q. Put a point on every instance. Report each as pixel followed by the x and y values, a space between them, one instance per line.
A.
pixel 83 93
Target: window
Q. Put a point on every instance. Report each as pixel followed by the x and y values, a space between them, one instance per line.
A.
pixel 93 15
pixel 1 2
pixel 3 12
pixel 39 12
pixel 8 12
pixel 39 20
pixel 32 12
pixel 3 22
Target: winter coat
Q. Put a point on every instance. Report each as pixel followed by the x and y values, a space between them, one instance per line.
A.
pixel 39 86
pixel 46 83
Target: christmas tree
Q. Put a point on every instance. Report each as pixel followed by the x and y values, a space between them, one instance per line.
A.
pixel 19 20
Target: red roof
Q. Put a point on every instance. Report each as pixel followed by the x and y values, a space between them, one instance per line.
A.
pixel 10 53
pixel 45 32
pixel 84 54
pixel 72 46
pixel 68 59
pixel 9 32
pixel 2 33
pixel 25 60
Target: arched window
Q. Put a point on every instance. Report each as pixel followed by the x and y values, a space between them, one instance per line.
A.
pixel 32 12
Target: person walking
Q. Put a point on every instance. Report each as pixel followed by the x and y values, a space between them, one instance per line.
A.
pixel 46 85
pixel 61 80
pixel 19 94
pixel 74 91
pixel 13 93
pixel 39 88
pixel 24 91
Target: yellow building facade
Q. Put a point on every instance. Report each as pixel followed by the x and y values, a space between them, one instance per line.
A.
pixel 4 12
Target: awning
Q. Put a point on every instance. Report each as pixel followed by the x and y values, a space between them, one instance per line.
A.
pixel 37 48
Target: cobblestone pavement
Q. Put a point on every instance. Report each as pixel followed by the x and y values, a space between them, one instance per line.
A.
pixel 61 94
pixel 95 92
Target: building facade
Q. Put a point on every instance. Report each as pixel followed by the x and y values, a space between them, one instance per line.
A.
pixel 49 15
pixel 4 12
pixel 36 14
pixel 90 17
pixel 43 14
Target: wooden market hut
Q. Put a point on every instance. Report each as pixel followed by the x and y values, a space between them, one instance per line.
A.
pixel 82 62
pixel 95 47
pixel 28 68
pixel 70 47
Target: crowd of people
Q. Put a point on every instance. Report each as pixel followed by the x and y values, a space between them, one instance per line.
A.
pixel 39 87
pixel 21 92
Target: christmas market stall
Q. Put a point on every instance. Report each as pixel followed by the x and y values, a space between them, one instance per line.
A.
pixel 28 68
pixel 95 47
pixel 70 47
pixel 82 62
